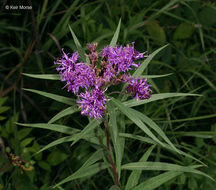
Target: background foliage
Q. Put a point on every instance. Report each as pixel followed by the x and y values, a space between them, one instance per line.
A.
pixel 32 39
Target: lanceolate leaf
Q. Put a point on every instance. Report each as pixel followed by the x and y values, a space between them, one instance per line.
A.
pixel 162 166
pixel 85 132
pixel 115 137
pixel 116 34
pixel 58 98
pixel 145 63
pixel 135 175
pixel 157 181
pixel 63 113
pixel 133 117
pixel 84 172
pixel 52 127
pixel 44 76
pixel 137 137
pixel 78 46
pixel 155 97
pixel 155 127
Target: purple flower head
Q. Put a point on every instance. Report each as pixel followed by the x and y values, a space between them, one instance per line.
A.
pixel 139 88
pixel 81 77
pixel 66 62
pixel 92 103
pixel 121 58
pixel 77 75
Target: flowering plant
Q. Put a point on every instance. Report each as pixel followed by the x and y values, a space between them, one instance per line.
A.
pixel 115 62
pixel 89 77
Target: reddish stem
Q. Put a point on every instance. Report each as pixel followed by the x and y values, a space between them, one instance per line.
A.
pixel 115 173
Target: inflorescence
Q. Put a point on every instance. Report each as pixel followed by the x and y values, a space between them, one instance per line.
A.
pixel 90 81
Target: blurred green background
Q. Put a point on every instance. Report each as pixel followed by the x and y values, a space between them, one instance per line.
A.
pixel 30 41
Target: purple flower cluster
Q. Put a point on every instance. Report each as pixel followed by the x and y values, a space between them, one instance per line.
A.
pixel 89 82
pixel 120 59
pixel 92 103
pixel 139 88
pixel 77 75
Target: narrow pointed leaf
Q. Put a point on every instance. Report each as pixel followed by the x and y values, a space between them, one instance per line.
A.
pixel 116 35
pixel 78 46
pixel 58 98
pixel 155 97
pixel 145 63
pixel 85 132
pixel 115 137
pixel 93 158
pixel 44 76
pixel 162 166
pixel 137 137
pixel 133 117
pixel 157 181
pixel 63 113
pixel 135 175
pixel 155 76
pixel 85 172
pixel 155 127
pixel 52 127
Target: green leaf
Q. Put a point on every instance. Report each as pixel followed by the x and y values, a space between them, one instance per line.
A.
pixel 137 137
pixel 58 98
pixel 44 76
pixel 78 46
pixel 133 117
pixel 149 141
pixel 52 127
pixel 155 76
pixel 57 142
pixel 63 113
pixel 145 63
pixel 84 172
pixel 157 181
pixel 56 157
pixel 155 127
pixel 184 31
pixel 155 97
pixel 44 165
pixel 4 109
pixel 162 166
pixel 156 32
pixel 98 155
pixel 115 137
pixel 116 34
pixel 3 100
pixel 135 175
pixel 85 132
pixel 26 141
pixel 23 133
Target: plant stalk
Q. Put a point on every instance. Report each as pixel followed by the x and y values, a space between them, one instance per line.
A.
pixel 114 170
